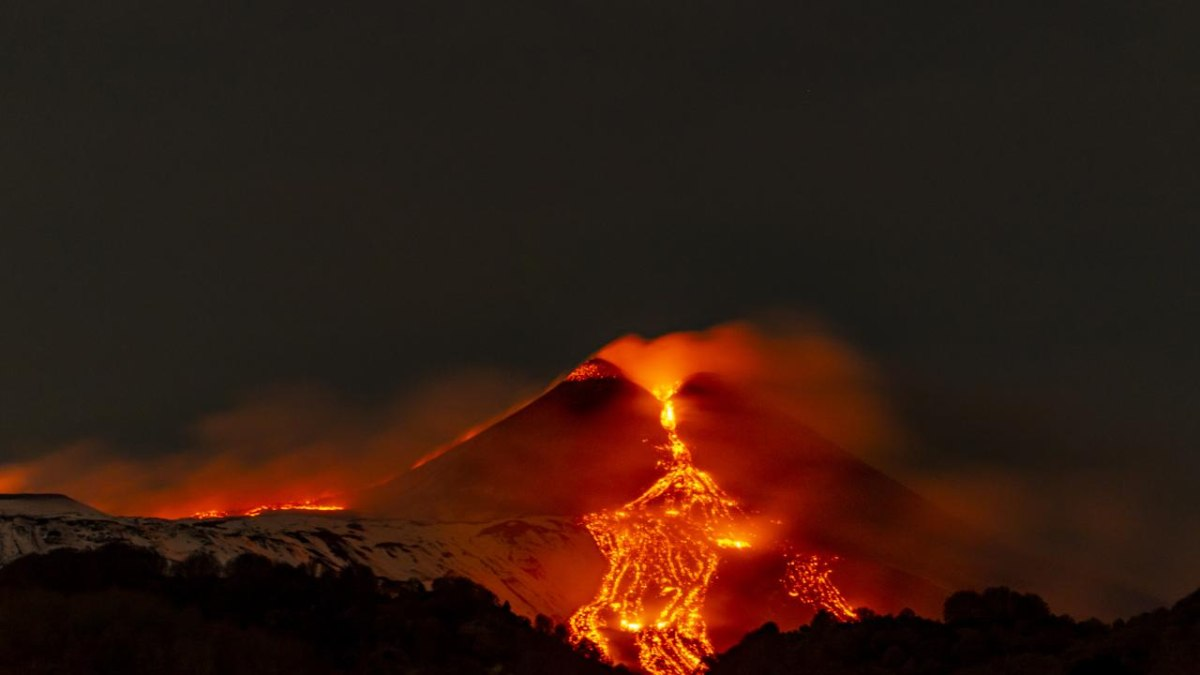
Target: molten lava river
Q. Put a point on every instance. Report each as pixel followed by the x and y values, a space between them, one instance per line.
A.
pixel 663 550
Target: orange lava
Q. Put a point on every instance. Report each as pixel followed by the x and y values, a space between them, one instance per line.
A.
pixel 663 549
pixel 807 579
pixel 267 508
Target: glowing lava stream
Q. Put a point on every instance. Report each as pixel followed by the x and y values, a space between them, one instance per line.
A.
pixel 808 580
pixel 663 549
pixel 267 508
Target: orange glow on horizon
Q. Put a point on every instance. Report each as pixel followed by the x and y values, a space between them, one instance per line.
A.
pixel 308 505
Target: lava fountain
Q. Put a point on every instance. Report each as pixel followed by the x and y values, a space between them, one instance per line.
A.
pixel 663 549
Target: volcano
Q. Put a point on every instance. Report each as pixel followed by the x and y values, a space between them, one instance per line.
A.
pixel 596 441
pixel 583 445
pixel 660 525
pixel 48 504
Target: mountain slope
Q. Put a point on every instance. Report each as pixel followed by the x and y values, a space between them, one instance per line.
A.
pixel 505 507
pixel 44 504
pixel 584 445
pixel 593 442
pixel 520 561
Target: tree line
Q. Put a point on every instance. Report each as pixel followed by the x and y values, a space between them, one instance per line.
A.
pixel 123 610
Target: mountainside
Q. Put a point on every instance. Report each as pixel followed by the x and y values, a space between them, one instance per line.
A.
pixel 584 445
pixel 594 442
pixel 506 508
pixel 521 561
pixel 47 504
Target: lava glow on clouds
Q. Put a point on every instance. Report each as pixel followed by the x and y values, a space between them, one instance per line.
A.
pixel 284 445
pixel 303 444
pixel 793 365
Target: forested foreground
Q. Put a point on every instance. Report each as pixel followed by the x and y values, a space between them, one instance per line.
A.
pixel 991 633
pixel 126 611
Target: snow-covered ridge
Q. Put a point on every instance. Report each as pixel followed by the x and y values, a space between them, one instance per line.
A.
pixel 43 504
pixel 515 559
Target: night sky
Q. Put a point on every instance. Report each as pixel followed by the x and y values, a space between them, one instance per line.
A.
pixel 996 202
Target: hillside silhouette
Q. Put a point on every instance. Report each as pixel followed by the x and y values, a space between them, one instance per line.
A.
pixel 120 609
pixel 989 633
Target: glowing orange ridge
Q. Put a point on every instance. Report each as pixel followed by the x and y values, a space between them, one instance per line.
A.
pixel 267 508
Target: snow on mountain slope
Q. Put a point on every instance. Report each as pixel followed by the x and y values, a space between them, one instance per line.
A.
pixel 48 504
pixel 530 563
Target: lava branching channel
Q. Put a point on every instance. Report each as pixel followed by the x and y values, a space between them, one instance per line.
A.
pixel 663 549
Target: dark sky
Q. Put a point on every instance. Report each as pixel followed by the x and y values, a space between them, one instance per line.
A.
pixel 997 201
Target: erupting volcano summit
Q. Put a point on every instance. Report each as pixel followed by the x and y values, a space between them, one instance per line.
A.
pixel 711 514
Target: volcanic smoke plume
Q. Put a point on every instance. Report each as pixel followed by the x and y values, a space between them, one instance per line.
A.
pixel 791 365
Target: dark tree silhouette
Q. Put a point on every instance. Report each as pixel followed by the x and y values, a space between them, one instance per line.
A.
pixel 126 611
pixel 993 632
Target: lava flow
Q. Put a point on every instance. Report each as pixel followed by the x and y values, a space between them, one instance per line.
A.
pixel 807 579
pixel 663 549
pixel 267 508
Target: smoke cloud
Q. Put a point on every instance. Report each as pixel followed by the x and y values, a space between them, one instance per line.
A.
pixel 283 444
pixel 794 365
